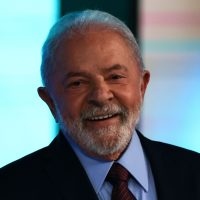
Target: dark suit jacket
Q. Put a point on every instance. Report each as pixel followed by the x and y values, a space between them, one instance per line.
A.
pixel 54 173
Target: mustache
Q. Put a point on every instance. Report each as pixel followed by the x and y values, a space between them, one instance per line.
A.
pixel 107 109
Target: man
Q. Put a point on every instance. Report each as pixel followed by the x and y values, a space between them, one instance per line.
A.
pixel 94 84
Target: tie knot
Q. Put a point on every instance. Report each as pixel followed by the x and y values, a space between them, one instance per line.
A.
pixel 118 174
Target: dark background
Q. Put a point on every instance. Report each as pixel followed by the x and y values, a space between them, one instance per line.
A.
pixel 126 10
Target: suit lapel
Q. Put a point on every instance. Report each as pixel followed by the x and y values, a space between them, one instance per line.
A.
pixel 161 168
pixel 66 172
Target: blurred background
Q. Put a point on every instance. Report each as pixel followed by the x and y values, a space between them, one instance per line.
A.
pixel 168 32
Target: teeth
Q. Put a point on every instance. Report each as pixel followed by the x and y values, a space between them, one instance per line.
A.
pixel 101 117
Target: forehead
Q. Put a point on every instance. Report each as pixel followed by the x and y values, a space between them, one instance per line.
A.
pixel 94 44
pixel 91 53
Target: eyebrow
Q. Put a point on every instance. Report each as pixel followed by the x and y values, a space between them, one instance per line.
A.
pixel 87 74
pixel 75 74
pixel 114 67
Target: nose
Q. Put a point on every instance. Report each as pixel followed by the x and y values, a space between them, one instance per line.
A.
pixel 100 94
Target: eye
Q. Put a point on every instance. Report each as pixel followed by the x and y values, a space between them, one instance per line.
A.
pixel 116 76
pixel 77 83
pixel 74 84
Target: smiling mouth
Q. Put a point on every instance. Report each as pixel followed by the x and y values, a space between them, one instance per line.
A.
pixel 102 117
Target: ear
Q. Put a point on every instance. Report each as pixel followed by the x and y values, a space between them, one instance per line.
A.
pixel 44 95
pixel 145 81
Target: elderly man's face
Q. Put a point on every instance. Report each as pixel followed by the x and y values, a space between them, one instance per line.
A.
pixel 96 92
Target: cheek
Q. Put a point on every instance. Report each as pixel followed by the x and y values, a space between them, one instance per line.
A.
pixel 129 97
pixel 71 106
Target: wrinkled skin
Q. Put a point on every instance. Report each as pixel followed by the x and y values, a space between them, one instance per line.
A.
pixel 96 77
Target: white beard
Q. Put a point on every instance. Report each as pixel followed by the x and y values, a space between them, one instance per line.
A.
pixel 103 141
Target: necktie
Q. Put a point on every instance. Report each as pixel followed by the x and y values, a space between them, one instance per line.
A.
pixel 118 176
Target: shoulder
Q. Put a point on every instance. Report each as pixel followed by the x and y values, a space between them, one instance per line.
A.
pixel 174 167
pixel 44 174
pixel 33 161
pixel 170 155
pixel 24 165
pixel 26 177
pixel 155 145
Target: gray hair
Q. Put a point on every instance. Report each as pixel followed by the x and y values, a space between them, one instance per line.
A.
pixel 79 22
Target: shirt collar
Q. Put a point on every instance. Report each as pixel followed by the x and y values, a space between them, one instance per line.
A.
pixel 133 160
